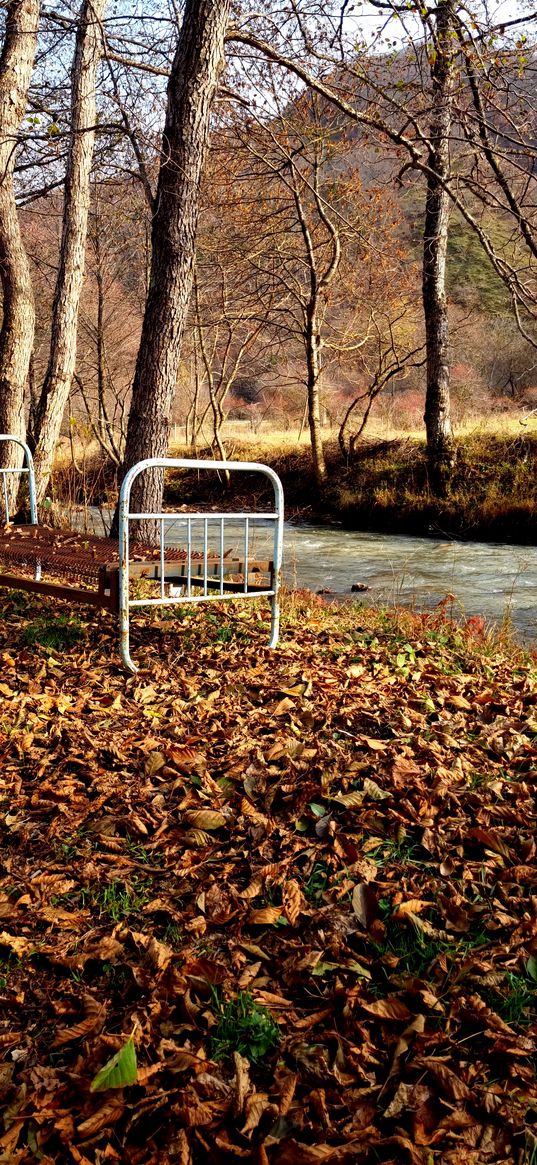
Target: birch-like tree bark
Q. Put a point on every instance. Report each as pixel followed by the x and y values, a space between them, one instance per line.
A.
pixel 64 327
pixel 319 283
pixel 17 331
pixel 196 68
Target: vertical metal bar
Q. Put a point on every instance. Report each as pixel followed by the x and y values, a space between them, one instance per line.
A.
pixel 6 497
pixel 162 558
pixel 33 504
pixel 189 557
pixel 246 548
pixel 205 551
pixel 29 469
pixel 277 558
pixel 221 556
pixel 124 501
pixel 31 486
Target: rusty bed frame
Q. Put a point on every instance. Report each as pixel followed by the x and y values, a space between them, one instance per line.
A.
pixel 107 568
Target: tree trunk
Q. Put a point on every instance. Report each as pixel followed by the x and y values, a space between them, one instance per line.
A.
pixel 313 360
pixel 318 283
pixel 64 327
pixel 440 440
pixel 17 331
pixel 193 80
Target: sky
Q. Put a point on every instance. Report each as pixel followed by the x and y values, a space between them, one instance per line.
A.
pixel 373 25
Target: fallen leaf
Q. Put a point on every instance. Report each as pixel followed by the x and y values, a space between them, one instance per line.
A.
pixel 118 1072
pixel 390 1008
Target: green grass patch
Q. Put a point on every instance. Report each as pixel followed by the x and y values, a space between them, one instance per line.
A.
pixel 115 900
pixel 316 884
pixel 55 633
pixel 514 1000
pixel 416 951
pixel 242 1025
pixel 119 899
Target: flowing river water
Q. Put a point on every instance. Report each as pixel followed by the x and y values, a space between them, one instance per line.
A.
pixel 492 580
pixel 486 579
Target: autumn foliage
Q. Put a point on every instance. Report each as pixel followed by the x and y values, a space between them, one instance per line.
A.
pixel 300 881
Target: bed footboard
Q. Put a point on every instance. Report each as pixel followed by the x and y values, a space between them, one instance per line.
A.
pixel 212 556
pixel 205 574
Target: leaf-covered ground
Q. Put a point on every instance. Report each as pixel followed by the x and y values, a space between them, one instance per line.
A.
pixel 302 881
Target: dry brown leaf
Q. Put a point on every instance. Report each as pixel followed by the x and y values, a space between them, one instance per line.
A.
pixel 374 791
pixel 375 745
pixel 402 1100
pixel 249 974
pixel 294 1153
pixel 187 759
pixel 309 1021
pixel 195 1113
pixel 63 919
pixel 519 874
pixel 105 948
pixel 365 903
pixel 106 1115
pixel 8 1141
pixel 255 950
pixel 233 1151
pixel 355 670
pixel 94 1014
pixel 492 840
pixel 265 916
pixel 253 890
pixel 78 1157
pixel 106 811
pixel 450 1082
pixel 287 1092
pixel 271 999
pixel 283 707
pixel 390 1008
pixel 197 838
pixel 18 945
pixel 154 763
pixel 352 800
pixel 183 1150
pixel 255 1106
pixel 242 1082
pixel 146 1072
pixel 206 819
pixel 411 906
pixel 460 702
pixel 159 953
pixel 291 900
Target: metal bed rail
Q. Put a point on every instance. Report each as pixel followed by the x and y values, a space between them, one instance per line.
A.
pixel 27 468
pixel 200 585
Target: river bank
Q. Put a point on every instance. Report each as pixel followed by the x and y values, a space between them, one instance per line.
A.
pixel 492 497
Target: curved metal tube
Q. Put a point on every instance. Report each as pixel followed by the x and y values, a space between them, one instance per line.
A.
pixel 29 469
pixel 125 516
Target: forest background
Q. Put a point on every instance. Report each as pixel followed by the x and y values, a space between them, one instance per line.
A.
pixel 292 891
pixel 294 220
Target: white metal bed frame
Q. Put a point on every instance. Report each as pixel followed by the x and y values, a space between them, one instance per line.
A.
pixel 200 580
pixel 205 580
